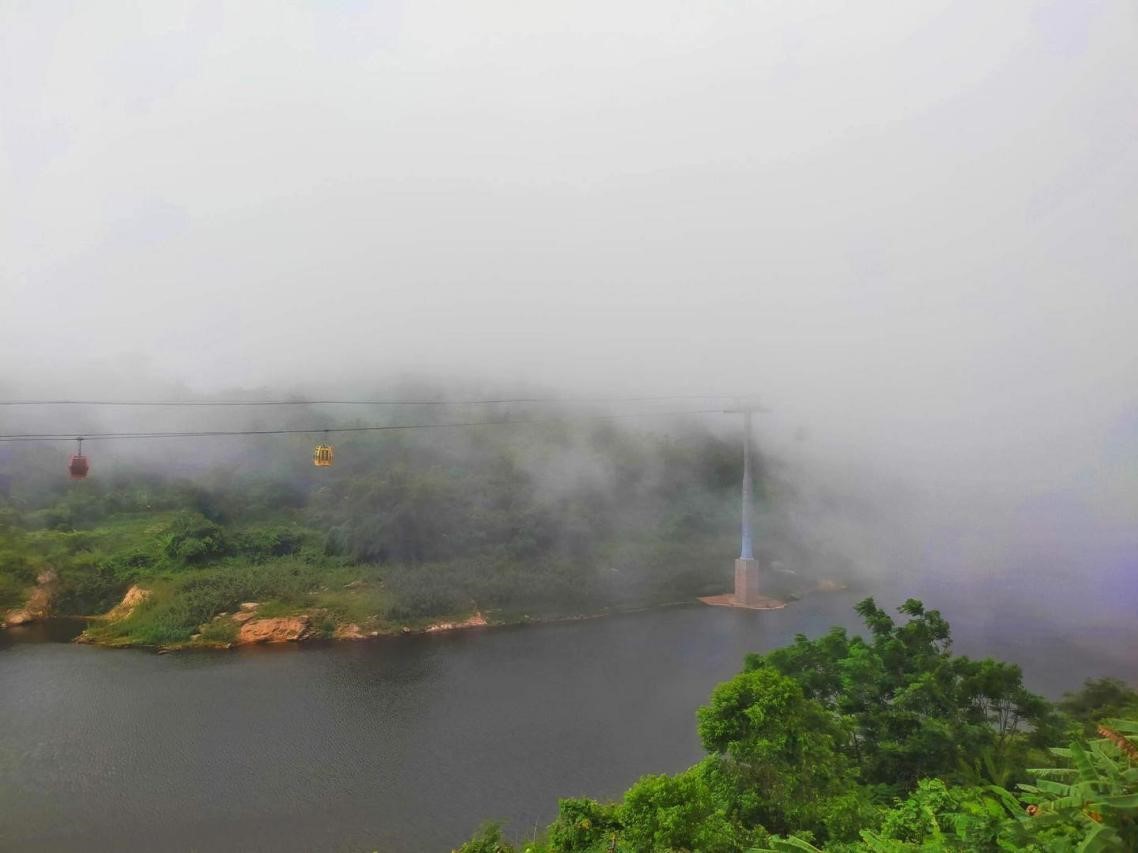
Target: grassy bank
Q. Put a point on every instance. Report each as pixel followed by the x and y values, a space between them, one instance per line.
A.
pixel 193 570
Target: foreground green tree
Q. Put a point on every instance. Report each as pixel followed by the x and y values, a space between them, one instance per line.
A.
pixel 685 812
pixel 584 824
pixel 1088 805
pixel 780 751
pixel 1093 798
pixel 911 709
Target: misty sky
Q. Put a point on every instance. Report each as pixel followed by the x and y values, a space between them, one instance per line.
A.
pixel 911 226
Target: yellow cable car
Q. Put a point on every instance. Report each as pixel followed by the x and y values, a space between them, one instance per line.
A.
pixel 324 454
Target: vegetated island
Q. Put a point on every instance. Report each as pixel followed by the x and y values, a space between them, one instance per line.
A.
pixel 405 534
pixel 886 743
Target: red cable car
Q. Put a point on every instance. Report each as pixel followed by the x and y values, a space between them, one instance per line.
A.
pixel 77 467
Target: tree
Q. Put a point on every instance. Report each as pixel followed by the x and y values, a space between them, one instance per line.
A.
pixel 679 813
pixel 1097 700
pixel 488 839
pixel 193 538
pixel 781 751
pixel 908 707
pixel 583 824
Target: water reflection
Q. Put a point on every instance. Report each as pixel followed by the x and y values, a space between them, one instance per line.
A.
pixel 59 630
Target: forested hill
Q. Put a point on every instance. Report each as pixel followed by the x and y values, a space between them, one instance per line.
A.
pixel 512 521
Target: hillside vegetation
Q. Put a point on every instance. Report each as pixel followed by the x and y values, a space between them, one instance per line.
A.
pixel 403 531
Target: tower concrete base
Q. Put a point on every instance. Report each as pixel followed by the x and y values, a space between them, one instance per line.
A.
pixel 746 581
pixel 746 595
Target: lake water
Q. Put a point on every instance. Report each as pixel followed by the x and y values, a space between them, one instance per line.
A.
pixel 402 743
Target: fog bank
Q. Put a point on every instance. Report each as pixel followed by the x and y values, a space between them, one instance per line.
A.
pixel 908 230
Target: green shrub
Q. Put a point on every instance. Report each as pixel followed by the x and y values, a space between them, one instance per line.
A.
pixel 488 839
pixel 87 587
pixel 268 541
pixel 195 597
pixel 680 812
pixel 220 631
pixel 194 539
pixel 18 566
pixel 583 825
pixel 12 591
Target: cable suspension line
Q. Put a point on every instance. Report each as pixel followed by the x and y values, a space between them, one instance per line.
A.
pixel 99 436
pixel 391 402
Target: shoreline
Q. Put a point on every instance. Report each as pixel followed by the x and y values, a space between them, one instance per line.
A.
pixel 344 632
pixel 479 621
pixel 297 628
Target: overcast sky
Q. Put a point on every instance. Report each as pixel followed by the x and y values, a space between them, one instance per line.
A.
pixel 911 225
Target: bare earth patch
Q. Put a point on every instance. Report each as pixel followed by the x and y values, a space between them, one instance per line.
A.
pixel 475 621
pixel 38 604
pixel 728 600
pixel 284 629
pixel 133 597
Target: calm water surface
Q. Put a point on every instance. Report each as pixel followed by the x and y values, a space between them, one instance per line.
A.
pixel 400 744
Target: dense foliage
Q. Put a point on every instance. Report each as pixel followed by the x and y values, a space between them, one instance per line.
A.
pixel 911 709
pixel 885 744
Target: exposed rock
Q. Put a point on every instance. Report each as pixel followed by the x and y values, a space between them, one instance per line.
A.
pixel 18 617
pixel 406 629
pixel 475 621
pixel 356 584
pixel 283 629
pixel 243 616
pixel 374 634
pixel 348 632
pixel 249 606
pixel 40 601
pixel 38 604
pixel 133 597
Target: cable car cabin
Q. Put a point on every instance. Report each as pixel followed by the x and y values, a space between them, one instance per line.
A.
pixel 323 456
pixel 78 467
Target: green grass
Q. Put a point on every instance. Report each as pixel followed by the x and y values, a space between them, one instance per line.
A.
pixel 95 566
pixel 274 608
pixel 187 601
pixel 219 632
pixel 365 605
